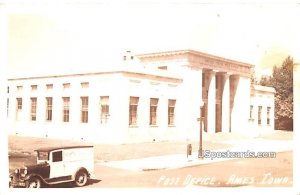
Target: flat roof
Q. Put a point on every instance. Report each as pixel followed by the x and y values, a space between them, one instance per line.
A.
pixel 263 88
pixel 48 149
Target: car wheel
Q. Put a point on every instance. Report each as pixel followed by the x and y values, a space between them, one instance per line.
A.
pixel 81 178
pixel 34 182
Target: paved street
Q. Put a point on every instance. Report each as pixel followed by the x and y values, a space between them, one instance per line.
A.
pixel 235 173
pixel 241 172
pixel 165 164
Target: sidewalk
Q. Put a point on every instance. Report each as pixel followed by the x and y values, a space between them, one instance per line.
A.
pixel 181 160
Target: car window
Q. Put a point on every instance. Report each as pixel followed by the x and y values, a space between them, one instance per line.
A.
pixel 43 156
pixel 57 156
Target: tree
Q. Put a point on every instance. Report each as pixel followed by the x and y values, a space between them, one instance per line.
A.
pixel 253 77
pixel 282 81
pixel 265 81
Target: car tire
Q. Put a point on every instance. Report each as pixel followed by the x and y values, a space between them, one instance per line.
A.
pixel 34 182
pixel 81 178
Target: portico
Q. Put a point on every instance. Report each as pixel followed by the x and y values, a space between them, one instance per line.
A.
pixel 225 86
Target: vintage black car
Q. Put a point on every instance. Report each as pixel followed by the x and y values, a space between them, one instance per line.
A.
pixel 56 165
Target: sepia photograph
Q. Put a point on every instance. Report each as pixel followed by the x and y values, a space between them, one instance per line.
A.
pixel 185 95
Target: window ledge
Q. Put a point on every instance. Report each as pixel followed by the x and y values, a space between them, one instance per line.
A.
pixel 133 126
pixel 171 125
pixel 153 126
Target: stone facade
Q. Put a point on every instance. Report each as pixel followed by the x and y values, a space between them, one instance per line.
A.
pixel 148 97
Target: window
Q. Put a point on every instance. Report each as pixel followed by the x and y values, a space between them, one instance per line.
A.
pixel 33 87
pixel 163 67
pixel 7 89
pixel 133 107
pixel 19 88
pixel 84 109
pixel 66 109
pixel 251 112
pixel 66 85
pixel 259 115
pixel 49 108
pixel 171 111
pixel 19 103
pixel 57 156
pixel 85 85
pixel 49 86
pixel 19 108
pixel 104 108
pixel 43 156
pixel 153 111
pixel 268 115
pixel 33 109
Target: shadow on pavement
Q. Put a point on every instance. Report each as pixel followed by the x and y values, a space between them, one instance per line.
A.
pixel 71 185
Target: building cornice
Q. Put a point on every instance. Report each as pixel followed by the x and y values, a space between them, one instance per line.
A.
pixel 194 52
pixel 198 59
pixel 124 72
pixel 263 88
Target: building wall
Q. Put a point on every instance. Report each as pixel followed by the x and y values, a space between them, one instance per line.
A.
pixel 119 88
pixel 56 127
pixel 265 100
pixel 226 97
pixel 144 89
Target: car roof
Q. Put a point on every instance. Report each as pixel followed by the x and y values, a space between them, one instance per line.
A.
pixel 48 149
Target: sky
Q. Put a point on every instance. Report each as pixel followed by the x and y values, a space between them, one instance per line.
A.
pixel 72 37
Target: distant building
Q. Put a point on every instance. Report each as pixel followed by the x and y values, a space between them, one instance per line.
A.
pixel 154 96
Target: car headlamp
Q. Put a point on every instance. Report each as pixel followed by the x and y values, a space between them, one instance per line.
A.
pixel 25 171
pixel 16 171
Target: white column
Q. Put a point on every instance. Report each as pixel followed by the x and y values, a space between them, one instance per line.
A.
pixel 241 101
pixel 225 103
pixel 211 112
pixel 188 104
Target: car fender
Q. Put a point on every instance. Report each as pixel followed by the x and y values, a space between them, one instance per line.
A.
pixel 27 177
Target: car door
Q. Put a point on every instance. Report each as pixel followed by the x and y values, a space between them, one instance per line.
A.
pixel 57 167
